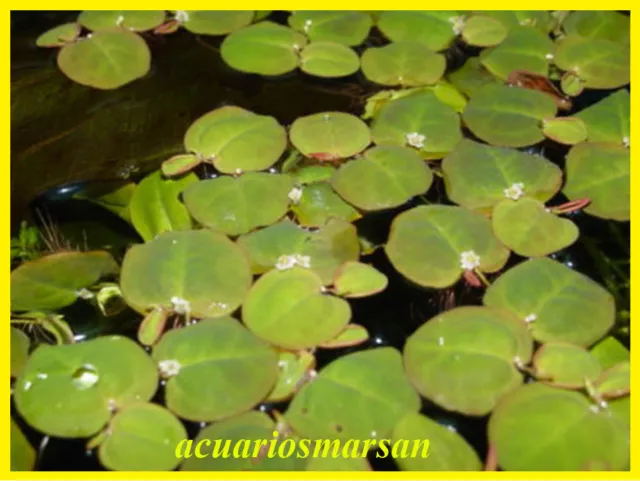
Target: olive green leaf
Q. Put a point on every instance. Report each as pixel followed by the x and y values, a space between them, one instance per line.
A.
pixel 71 390
pixel 604 25
pixel 565 130
pixel 508 116
pixel 155 205
pixel 135 20
pixel 328 59
pixel 482 31
pixel 610 352
pixel 384 177
pixel 558 303
pixel 565 365
pixel 343 27
pixel 289 309
pixel 355 279
pixel 142 437
pixel 433 245
pixel 23 455
pixel 335 134
pixel 419 120
pixel 214 274
pixel 352 335
pixel 541 428
pixel 238 205
pixel 609 120
pixel 57 280
pixel 615 381
pixel 211 22
pixel 370 386
pixel 527 228
pixel 264 48
pixel 471 77
pixel 445 450
pixel 407 63
pixel 319 203
pixel 235 140
pixel 293 369
pixel 601 173
pixel 205 361
pixel 479 176
pixel 434 29
pixel 465 359
pixel 19 346
pixel 59 36
pixel 107 59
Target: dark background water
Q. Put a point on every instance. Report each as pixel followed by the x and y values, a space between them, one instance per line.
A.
pixel 67 138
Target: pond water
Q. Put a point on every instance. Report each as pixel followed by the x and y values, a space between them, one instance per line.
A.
pixel 68 139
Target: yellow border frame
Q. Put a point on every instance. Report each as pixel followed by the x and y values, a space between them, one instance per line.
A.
pixel 5 473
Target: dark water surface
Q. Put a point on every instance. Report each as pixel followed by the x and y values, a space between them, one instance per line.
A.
pixel 67 138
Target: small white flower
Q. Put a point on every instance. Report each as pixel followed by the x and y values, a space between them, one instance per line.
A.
pixel 182 16
pixel 180 306
pixel 441 341
pixel 27 385
pixel 285 262
pixel 626 141
pixel 89 35
pixel 549 57
pixel 414 139
pixel 457 24
pixel 303 261
pixel 119 20
pixel 169 367
pixel 238 171
pixel 41 375
pixel 84 294
pixel 312 374
pixel 515 191
pixel 307 26
pixel 295 195
pixel 530 318
pixel 469 260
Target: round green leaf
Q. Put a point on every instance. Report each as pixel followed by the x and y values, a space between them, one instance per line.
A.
pixel 23 455
pixel 343 27
pixel 419 120
pixel 211 22
pixel 604 25
pixel 565 130
pixel 621 408
pixel 541 428
pixel 610 119
pixel 241 437
pixel 482 31
pixel 565 365
pixel 610 352
pixel 600 64
pixel 571 84
pixel 179 164
pixel 107 59
pixel 355 279
pixel 71 390
pixel 204 363
pixel 508 116
pixel 525 48
pixel 137 21
pixel 471 76
pixel 55 281
pixel 479 176
pixel 238 205
pixel 385 177
pixel 236 140
pixel 293 368
pixel 371 388
pixel 155 205
pixel 465 359
pixel 335 134
pixel 559 303
pixel 406 63
pixel 142 437
pixel 328 59
pixel 352 335
pixel 318 203
pixel 327 249
pixel 600 172
pixel 313 173
pixel 428 244
pixel 526 228
pixel 19 344
pixel 201 273
pixel 615 381
pixel 289 309
pixel 59 36
pixel 434 29
pixel 447 450
pixel 264 48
